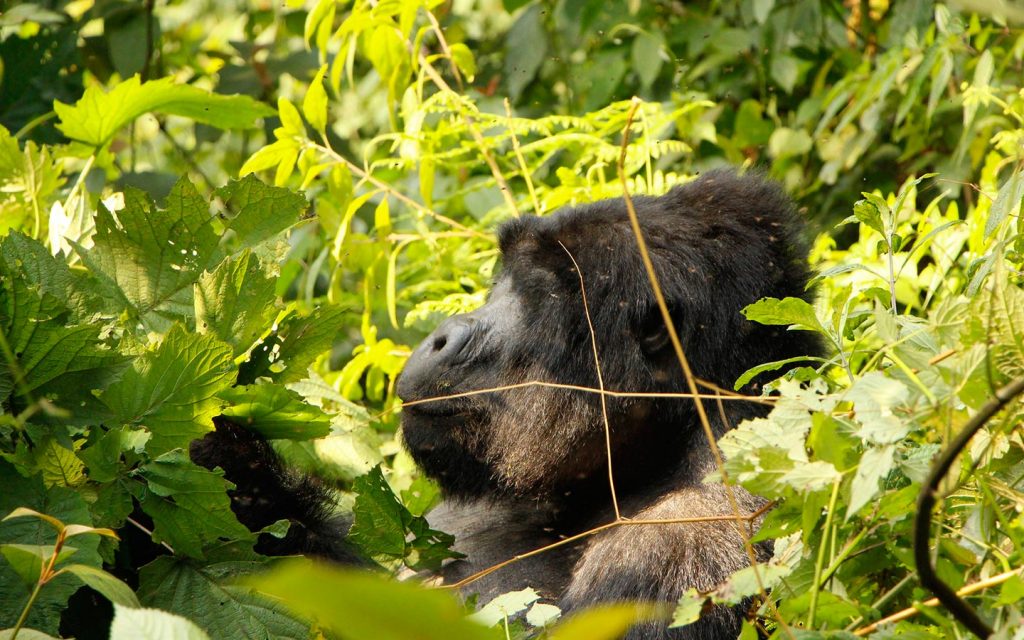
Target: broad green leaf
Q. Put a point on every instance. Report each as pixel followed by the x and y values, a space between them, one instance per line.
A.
pixel 257 212
pixel 271 155
pixel 788 311
pixel 357 604
pixel 106 584
pixel 875 465
pixel 34 263
pixel 60 503
pixel 688 609
pixel 504 607
pixel 786 142
pixel 868 213
pixel 748 582
pixel 1005 319
pixel 384 528
pixel 100 114
pixel 314 105
pixel 527 45
pixel 874 397
pixel 305 339
pixel 189 505
pixel 607 622
pixel 464 60
pixel 236 302
pixel 541 615
pixel 647 58
pixel 150 257
pixel 131 623
pixel 172 388
pixel 275 412
pixel 27 559
pixel 64 362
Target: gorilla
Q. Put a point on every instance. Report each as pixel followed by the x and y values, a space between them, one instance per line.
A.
pixel 526 467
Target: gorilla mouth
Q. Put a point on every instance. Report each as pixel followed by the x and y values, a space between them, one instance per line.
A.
pixel 435 409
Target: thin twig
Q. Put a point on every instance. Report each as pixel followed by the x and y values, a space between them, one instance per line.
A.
pixel 600 384
pixel 910 612
pixel 521 160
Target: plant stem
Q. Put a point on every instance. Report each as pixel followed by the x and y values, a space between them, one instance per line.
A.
pixel 820 562
pixel 24 612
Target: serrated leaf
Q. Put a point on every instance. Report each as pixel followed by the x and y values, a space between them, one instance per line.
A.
pixel 875 465
pixel 359 604
pixel 100 114
pixel 106 584
pixel 258 212
pixel 504 607
pixel 171 389
pixel 152 624
pixel 314 104
pixel 1005 311
pixel 874 397
pixel 275 412
pixel 189 505
pixel 151 257
pixel 236 302
pixel 868 213
pixel 304 339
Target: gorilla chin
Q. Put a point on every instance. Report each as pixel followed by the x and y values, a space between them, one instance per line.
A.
pixel 525 467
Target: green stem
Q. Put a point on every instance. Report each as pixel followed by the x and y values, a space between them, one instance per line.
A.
pixel 820 562
pixel 24 612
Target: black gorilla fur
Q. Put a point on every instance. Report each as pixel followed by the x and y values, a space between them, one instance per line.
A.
pixel 527 467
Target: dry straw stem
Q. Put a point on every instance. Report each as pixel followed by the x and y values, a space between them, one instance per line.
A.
pixel 910 612
pixel 600 383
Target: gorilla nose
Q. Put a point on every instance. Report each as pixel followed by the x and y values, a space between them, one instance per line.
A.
pixel 435 356
pixel 448 341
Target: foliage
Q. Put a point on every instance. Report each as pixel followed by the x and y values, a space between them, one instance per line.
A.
pixel 126 326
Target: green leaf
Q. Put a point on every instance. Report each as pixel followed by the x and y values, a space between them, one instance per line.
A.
pixel 152 624
pixel 1007 201
pixel 788 311
pixel 607 622
pixel 210 596
pixel 106 584
pixel 148 257
pixel 236 303
pixel 257 212
pixel 785 143
pixel 314 105
pixel 172 388
pixel 60 503
pixel 189 505
pixel 762 9
pixel 874 398
pixel 381 526
pixel 688 609
pixel 867 212
pixel 26 634
pixel 304 339
pixel 357 604
pixel 875 465
pixel 99 114
pixel 646 56
pixel 504 607
pixel 463 58
pixel 275 412
pixel 27 559
pixel 527 46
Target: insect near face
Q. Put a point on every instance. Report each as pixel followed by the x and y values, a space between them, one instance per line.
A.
pixel 525 467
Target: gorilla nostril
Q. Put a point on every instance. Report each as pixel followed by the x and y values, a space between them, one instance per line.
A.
pixel 440 342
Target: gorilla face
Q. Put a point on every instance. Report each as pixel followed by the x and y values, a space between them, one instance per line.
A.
pixel 718 244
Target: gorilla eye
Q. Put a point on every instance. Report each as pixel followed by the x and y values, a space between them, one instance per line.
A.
pixel 654 334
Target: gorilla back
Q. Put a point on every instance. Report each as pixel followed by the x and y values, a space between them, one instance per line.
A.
pixel 526 467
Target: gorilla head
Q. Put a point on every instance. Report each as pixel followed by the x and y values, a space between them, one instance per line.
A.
pixel 717 244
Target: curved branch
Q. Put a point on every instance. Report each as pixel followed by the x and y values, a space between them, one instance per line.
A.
pixel 926 504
